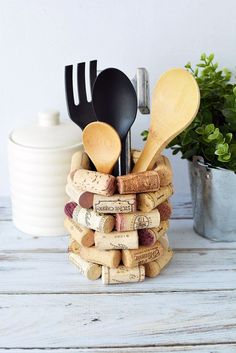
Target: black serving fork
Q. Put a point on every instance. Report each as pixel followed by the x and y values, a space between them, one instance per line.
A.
pixel 83 113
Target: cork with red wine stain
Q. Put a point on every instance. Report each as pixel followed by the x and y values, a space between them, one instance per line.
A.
pixel 137 220
pixel 148 236
pixel 82 198
pixel 165 210
pixel 89 218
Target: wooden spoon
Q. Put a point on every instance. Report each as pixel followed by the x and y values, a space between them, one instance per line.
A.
pixel 102 144
pixel 175 103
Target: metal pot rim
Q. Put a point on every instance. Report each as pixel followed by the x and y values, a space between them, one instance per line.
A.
pixel 199 161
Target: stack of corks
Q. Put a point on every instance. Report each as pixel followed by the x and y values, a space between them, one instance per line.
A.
pixel 118 225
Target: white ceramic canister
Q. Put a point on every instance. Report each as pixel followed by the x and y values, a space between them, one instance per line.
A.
pixel 39 162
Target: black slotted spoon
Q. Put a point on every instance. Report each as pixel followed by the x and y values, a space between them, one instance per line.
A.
pixel 83 113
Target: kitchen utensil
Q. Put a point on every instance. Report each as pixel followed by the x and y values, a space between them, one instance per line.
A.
pixel 115 102
pixel 39 158
pixel 175 104
pixel 83 113
pixel 102 144
pixel 141 86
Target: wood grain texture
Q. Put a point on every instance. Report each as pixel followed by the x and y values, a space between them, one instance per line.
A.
pixel 47 306
pixel 117 319
pixel 13 240
pixel 180 233
pixel 52 273
pixel 182 206
pixel 5 208
pixel 208 348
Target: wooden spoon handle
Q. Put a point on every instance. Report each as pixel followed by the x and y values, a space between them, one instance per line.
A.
pixel 147 158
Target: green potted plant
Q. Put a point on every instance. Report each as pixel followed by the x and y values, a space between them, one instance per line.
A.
pixel 209 145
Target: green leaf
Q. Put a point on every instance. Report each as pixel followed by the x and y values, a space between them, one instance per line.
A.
pixel 176 150
pixel 200 65
pixel 214 135
pixel 228 137
pixel 188 65
pixel 234 91
pixel 200 130
pixel 209 129
pixel 222 149
pixel 225 158
pixel 210 57
pixel 229 113
pixel 203 56
pixel 220 138
pixel 186 139
pixel 145 134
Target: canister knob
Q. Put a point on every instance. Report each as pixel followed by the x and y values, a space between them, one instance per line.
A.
pixel 48 118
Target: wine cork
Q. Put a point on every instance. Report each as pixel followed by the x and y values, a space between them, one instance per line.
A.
pixel 137 220
pixel 165 210
pixel 82 235
pixel 148 201
pixel 142 255
pixel 109 258
pixel 95 182
pixel 135 154
pixel 148 236
pixel 116 240
pixel 82 198
pixel 162 166
pixel 153 268
pixel 88 269
pixel 79 160
pixel 115 204
pixel 122 274
pixel 165 258
pixel 138 182
pixel 73 246
pixel 164 241
pixel 164 169
pixel 89 218
pixel 70 242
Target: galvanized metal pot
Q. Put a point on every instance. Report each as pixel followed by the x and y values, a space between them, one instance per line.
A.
pixel 214 201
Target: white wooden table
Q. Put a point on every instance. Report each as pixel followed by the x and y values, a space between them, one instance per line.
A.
pixel 46 306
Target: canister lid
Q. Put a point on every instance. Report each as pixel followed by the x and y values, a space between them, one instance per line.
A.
pixel 48 132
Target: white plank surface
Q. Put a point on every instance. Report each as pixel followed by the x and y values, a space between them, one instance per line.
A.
pixel 13 240
pixel 216 348
pixel 52 273
pixel 117 319
pixel 46 305
pixel 181 234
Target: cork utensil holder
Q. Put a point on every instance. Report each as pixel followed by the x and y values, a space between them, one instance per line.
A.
pixel 121 235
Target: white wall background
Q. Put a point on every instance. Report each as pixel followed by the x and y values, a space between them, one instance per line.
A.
pixel 39 37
